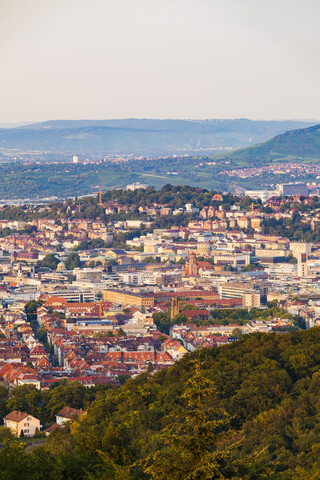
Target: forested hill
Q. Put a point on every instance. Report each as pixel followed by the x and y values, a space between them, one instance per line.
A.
pixel 145 137
pixel 249 410
pixel 302 144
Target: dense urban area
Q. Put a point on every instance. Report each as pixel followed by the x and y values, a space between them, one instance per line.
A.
pixel 108 305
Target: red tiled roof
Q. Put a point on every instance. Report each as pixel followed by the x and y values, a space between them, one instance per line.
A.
pixel 16 416
pixel 69 413
pixel 52 428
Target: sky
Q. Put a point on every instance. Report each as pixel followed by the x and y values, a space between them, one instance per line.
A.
pixel 196 59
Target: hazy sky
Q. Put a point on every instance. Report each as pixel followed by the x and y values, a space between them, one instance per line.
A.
pixel 72 59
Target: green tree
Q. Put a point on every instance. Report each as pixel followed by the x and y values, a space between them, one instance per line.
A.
pixel 236 332
pixel 150 367
pixel 50 261
pixel 14 461
pixel 70 394
pixel 72 261
pixel 5 434
pixel 194 443
pixel 4 393
pixel 27 399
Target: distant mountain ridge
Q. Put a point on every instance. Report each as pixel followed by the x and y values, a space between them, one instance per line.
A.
pixel 147 137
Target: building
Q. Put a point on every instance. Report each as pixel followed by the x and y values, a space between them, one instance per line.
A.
pixel 271 252
pixel 251 299
pixel 264 195
pixel 75 159
pixel 300 247
pixel 292 189
pixel 121 297
pixel 191 265
pixel 89 275
pixel 256 222
pixel 244 222
pixel 185 295
pixel 246 291
pixel 67 414
pixel 174 307
pixel 19 422
pixel 137 185
pixel 203 249
pixel 235 259
pixel 76 295
pixel 302 264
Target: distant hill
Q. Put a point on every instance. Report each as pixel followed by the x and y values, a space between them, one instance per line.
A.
pixel 141 136
pixel 302 144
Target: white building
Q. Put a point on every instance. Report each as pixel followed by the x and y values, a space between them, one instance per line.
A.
pixel 19 422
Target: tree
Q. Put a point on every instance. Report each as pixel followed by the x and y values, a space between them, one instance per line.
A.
pixel 25 398
pixel 29 364
pixel 72 261
pixel 14 461
pixel 50 261
pixel 194 442
pixel 5 434
pixel 236 332
pixel 31 307
pixel 180 318
pixel 71 394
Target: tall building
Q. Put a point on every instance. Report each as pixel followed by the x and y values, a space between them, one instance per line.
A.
pixel 174 307
pixel 191 265
pixel 75 159
pixel 302 264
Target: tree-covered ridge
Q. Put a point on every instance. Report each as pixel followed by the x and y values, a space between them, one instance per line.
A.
pixel 294 227
pixel 88 207
pixel 248 410
pixel 293 144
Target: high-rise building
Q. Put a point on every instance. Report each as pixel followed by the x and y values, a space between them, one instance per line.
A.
pixel 302 264
pixel 75 159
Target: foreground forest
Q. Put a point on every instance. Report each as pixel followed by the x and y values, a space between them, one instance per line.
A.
pixel 249 410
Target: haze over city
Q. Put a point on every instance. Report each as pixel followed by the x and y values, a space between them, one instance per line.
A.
pixel 159 59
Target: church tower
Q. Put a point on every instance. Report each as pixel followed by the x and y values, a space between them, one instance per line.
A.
pixel 192 268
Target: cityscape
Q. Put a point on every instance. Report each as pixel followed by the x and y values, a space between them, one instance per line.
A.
pixel 159 240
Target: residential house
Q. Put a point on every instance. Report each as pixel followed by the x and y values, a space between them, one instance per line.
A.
pixel 19 422
pixel 67 414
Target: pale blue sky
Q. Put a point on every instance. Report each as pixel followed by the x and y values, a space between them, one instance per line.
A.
pixel 75 59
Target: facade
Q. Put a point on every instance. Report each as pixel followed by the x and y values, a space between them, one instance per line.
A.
pixel 203 249
pixel 292 189
pixel 121 297
pixel 300 247
pixel 191 265
pixel 82 296
pixel 302 264
pixel 236 260
pixel 250 297
pixel 19 422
